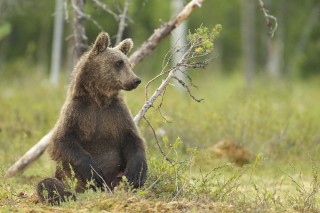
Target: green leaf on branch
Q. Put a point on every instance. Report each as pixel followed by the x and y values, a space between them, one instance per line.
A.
pixel 203 39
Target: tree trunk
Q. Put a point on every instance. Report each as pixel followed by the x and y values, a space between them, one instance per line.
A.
pixel 248 30
pixel 178 38
pixel 148 46
pixel 57 43
pixel 79 32
pixel 275 45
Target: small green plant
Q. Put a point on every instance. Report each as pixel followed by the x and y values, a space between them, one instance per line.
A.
pixel 306 199
pixel 72 181
pixel 203 39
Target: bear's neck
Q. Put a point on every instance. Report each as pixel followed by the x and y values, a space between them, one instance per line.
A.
pixel 100 98
pixel 103 100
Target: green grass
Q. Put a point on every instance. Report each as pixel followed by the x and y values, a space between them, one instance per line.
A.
pixel 278 123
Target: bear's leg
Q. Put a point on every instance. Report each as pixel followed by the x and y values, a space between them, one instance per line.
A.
pixel 52 191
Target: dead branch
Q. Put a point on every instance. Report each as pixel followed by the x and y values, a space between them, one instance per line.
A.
pixel 188 89
pixel 65 8
pixel 184 62
pixel 152 80
pixel 145 49
pixel 122 22
pixel 160 105
pixel 156 94
pixel 29 156
pixel 80 12
pixel 198 64
pixel 200 45
pixel 106 8
pixel 268 18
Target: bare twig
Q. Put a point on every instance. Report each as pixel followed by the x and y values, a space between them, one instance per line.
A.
pixel 86 16
pixel 268 18
pixel 156 94
pixel 189 78
pixel 106 8
pixel 188 89
pixel 157 141
pixel 198 64
pixel 65 8
pixel 152 80
pixel 183 63
pixel 168 57
pixel 160 105
pixel 122 22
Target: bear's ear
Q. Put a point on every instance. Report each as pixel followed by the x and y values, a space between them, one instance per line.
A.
pixel 125 46
pixel 102 42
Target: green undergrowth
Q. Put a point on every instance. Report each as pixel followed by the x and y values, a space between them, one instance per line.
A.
pixel 278 123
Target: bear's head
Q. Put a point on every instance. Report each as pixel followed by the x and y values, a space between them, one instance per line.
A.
pixel 107 70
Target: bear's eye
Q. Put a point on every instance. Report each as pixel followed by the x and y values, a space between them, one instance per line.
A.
pixel 119 64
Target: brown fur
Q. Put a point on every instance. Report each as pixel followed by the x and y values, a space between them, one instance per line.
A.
pixel 95 134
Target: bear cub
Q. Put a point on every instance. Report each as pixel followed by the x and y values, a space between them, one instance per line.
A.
pixel 95 139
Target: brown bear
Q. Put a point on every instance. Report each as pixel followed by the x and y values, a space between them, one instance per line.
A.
pixel 95 139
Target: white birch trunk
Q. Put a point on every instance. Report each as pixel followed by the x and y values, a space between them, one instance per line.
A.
pixel 57 43
pixel 178 38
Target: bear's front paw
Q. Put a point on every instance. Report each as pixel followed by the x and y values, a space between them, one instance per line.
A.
pixel 136 172
pixel 88 172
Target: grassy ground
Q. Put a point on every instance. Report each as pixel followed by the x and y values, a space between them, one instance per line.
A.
pixel 277 123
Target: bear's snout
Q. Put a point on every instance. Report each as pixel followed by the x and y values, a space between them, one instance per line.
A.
pixel 137 81
pixel 132 84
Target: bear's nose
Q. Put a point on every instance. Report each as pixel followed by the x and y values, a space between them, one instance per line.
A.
pixel 137 81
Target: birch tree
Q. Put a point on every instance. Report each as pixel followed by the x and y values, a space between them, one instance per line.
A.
pixel 57 42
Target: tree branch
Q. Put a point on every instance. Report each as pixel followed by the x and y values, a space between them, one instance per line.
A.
pixel 171 75
pixel 122 22
pixel 106 8
pixel 268 18
pixel 188 89
pixel 30 156
pixel 157 141
pixel 148 46
pixel 86 16
pixel 158 92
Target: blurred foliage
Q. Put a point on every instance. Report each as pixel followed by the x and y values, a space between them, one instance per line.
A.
pixel 277 120
pixel 28 35
pixel 5 29
pixel 310 62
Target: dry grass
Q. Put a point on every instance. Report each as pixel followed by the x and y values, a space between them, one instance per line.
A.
pixel 278 125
